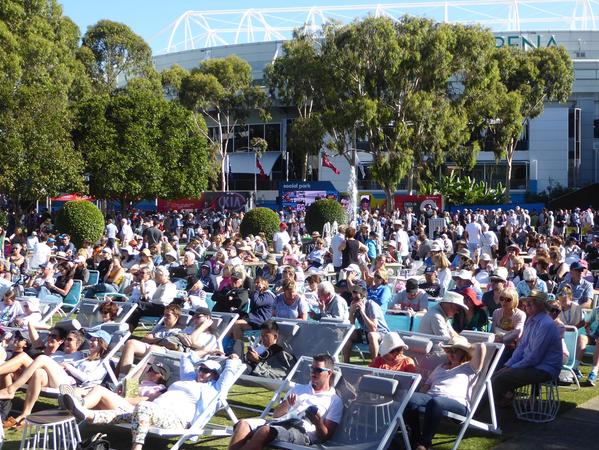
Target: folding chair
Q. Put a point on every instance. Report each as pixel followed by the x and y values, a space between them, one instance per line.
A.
pixel 73 296
pixel 301 338
pixel 88 312
pixel 398 322
pixel 426 361
pixel 49 308
pixel 571 340
pixel 94 277
pixel 181 369
pixel 374 401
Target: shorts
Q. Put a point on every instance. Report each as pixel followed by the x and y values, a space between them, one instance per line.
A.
pixel 291 435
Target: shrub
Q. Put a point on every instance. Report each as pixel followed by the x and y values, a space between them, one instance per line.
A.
pixel 259 220
pixel 323 211
pixel 81 220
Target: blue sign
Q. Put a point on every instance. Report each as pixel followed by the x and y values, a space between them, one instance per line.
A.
pixel 300 194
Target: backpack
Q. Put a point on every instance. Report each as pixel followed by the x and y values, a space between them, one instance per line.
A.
pixel 97 442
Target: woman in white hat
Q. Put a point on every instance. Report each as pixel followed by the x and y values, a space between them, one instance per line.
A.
pixel 391 356
pixel 446 389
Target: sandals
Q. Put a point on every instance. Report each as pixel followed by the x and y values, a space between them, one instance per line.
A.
pixel 13 424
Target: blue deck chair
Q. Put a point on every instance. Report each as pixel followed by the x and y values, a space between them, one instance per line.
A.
pixel 73 296
pixel 571 340
pixel 94 277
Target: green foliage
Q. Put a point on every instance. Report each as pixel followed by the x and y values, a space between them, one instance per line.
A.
pixel 3 219
pixel 463 190
pixel 81 220
pixel 323 211
pixel 221 91
pixel 38 79
pixel 551 192
pixel 137 145
pixel 113 53
pixel 260 220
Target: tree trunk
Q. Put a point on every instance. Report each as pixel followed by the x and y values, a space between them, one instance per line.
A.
pixel 389 197
pixel 305 168
pixel 508 172
pixel 223 175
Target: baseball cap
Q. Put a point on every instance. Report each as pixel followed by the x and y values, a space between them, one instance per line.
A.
pixel 212 365
pixel 162 369
pixel 100 334
pixel 429 269
pixel 202 311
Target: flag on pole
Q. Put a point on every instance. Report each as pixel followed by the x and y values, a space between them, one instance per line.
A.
pixel 260 168
pixel 326 163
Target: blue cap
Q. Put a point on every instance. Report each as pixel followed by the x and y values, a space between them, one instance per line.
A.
pixel 101 334
pixel 429 269
pixel 50 240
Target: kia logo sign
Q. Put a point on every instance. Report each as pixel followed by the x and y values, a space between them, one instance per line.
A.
pixel 232 201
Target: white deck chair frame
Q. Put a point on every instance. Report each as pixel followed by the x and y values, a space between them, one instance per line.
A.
pixel 201 426
pixel 395 422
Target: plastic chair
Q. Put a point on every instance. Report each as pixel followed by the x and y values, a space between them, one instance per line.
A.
pixel 571 340
pixel 94 277
pixel 398 322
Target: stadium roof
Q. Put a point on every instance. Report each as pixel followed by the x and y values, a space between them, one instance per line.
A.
pixel 204 29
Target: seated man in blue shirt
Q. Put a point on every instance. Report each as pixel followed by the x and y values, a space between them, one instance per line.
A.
pixel 538 356
pixel 371 320
pixel 530 283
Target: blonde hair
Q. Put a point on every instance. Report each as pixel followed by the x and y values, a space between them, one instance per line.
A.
pixel 441 261
pixel 513 294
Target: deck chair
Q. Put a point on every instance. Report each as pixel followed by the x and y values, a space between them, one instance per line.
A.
pixel 201 426
pixel 74 295
pixel 94 277
pixel 49 308
pixel 88 312
pixel 374 401
pixel 427 361
pixel 398 322
pixel 304 338
pixel 571 340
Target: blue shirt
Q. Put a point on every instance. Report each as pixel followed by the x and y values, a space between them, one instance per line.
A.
pixel 581 292
pixel 524 289
pixel 371 244
pixel 540 347
pixel 373 311
pixel 380 295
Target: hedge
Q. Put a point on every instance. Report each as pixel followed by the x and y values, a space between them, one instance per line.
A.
pixel 259 220
pixel 323 211
pixel 81 220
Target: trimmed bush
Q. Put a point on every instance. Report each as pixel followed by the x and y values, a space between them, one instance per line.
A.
pixel 81 220
pixel 259 220
pixel 323 211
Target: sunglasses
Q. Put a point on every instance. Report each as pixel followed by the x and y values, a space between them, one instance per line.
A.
pixel 73 339
pixel 395 351
pixel 450 350
pixel 505 300
pixel 54 336
pixel 319 370
pixel 203 369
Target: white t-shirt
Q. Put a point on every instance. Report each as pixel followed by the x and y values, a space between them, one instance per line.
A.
pixel 336 253
pixel 164 294
pixel 111 231
pixel 474 231
pixel 279 240
pixel 41 254
pixel 181 399
pixel 330 407
pixel 453 383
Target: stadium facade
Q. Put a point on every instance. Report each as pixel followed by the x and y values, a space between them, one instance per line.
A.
pixel 560 146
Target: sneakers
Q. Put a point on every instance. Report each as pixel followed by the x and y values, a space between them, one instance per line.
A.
pixel 71 404
pixel 578 373
pixel 592 378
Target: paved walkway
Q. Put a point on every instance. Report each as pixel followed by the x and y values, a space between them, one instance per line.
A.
pixel 575 429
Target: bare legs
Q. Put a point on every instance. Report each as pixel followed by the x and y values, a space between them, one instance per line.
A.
pixel 243 438
pixel 238 328
pixel 132 349
pixel 54 372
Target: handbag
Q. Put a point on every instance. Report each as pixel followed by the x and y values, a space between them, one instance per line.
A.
pixel 97 442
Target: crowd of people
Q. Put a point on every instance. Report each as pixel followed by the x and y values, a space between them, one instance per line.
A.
pixel 521 276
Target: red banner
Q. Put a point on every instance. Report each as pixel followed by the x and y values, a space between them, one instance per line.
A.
pixel 187 204
pixel 418 202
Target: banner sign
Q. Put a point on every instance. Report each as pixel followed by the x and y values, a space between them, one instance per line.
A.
pixel 298 195
pixel 418 202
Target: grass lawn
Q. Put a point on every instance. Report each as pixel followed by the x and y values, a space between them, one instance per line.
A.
pixel 259 397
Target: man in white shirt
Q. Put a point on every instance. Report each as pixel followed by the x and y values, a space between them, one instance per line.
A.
pixel 336 241
pixel 111 232
pixel 309 414
pixel 41 253
pixel 281 238
pixel 474 232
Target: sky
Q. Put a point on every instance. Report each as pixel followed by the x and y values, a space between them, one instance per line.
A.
pixel 149 17
pixel 153 19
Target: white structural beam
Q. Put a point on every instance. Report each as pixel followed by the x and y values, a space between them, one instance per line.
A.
pixel 221 27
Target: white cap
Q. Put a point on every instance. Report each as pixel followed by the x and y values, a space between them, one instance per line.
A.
pixel 529 274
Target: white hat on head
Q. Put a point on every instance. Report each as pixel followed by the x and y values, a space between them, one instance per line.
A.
pixel 458 341
pixel 390 342
pixel 463 275
pixel 353 268
pixel 435 247
pixel 529 274
pixel 454 298
pixel 500 274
